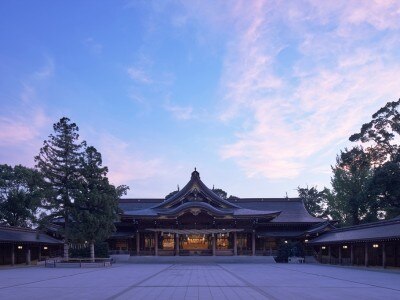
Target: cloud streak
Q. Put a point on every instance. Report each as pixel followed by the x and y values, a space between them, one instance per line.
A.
pixel 335 80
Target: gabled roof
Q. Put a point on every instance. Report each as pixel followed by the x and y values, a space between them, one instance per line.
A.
pixel 25 235
pixel 196 190
pixel 195 197
pixel 383 230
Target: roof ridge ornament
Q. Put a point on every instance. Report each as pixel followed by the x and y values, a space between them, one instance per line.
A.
pixel 195 173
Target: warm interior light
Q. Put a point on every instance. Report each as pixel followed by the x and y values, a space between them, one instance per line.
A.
pixel 285 242
pixel 323 247
pixel 375 245
pixel 344 247
pixel 306 241
pixel 19 247
pixel 45 247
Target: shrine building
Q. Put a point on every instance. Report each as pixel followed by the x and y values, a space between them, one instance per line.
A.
pixel 196 221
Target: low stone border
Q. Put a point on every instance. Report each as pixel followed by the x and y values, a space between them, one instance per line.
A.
pixel 78 263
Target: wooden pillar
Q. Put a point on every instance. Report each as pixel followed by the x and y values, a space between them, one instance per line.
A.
pixel 137 243
pixel 28 256
pixel 383 255
pixel 156 243
pixel 40 252
pixel 329 255
pixel 176 244
pixel 319 255
pixel 366 255
pixel 13 254
pixel 253 243
pixel 235 243
pixel 213 244
pixel 351 254
pixel 340 254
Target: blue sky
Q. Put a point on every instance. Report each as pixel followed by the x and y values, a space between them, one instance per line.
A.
pixel 260 96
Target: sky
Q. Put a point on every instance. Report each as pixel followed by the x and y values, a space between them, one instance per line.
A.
pixel 259 96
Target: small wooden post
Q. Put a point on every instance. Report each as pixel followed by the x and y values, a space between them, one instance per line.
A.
pixel 137 243
pixel 383 255
pixel 156 243
pixel 13 254
pixel 351 254
pixel 253 243
pixel 213 244
pixel 340 254
pixel 177 244
pixel 235 243
pixel 366 255
pixel 28 256
pixel 329 254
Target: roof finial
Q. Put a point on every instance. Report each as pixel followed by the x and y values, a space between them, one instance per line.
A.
pixel 213 187
pixel 177 186
pixel 195 173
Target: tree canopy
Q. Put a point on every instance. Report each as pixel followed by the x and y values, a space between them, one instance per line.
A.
pixel 22 191
pixel 315 201
pixel 95 209
pixel 59 163
pixel 81 194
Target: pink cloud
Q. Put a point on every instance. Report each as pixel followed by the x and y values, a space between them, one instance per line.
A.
pixel 339 83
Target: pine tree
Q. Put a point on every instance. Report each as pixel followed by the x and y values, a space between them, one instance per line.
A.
pixel 59 162
pixel 96 208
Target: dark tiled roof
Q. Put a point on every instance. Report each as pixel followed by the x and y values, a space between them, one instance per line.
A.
pixel 25 235
pixel 135 204
pixel 292 209
pixel 282 234
pixel 282 210
pixel 121 234
pixel 382 230
pixel 322 227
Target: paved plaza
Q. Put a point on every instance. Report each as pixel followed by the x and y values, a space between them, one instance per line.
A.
pixel 199 281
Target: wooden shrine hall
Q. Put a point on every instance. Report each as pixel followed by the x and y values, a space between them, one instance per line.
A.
pixel 196 221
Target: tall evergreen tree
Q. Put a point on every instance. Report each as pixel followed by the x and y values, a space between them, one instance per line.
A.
pixel 22 191
pixel 59 162
pixel 314 200
pixel 95 209
pixel 350 202
pixel 381 135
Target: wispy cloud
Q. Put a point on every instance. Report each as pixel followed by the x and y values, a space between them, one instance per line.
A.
pixel 335 82
pixel 130 165
pixel 22 125
pixel 126 163
pixel 93 46
pixel 180 112
pixel 139 75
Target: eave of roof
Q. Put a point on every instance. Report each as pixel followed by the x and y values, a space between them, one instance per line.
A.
pixel 25 235
pixel 382 230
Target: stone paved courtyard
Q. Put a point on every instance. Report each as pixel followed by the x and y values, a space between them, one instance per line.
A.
pixel 201 281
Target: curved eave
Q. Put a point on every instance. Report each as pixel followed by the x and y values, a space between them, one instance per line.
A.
pixel 192 206
pixel 360 240
pixel 197 207
pixel 187 189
